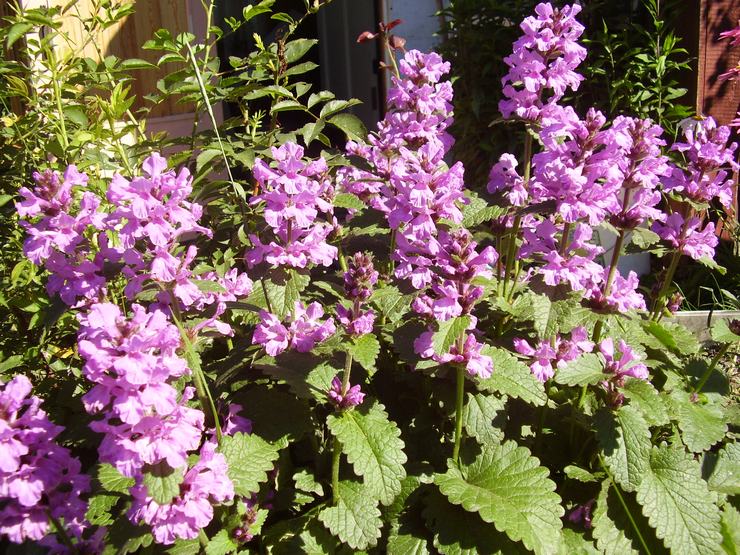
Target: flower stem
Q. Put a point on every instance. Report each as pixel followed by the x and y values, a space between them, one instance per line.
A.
pixel 345 375
pixel 598 328
pixel 66 540
pixel 459 412
pixel 712 365
pixel 335 458
pixel 658 307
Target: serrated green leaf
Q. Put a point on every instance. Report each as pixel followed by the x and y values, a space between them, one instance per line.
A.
pixel 162 481
pixel 585 370
pixel 477 211
pixel 373 446
pixel 643 237
pixel 574 543
pixel 512 377
pixel 249 458
pixel 365 350
pixel 722 333
pixel 99 509
pixel 678 503
pixel 541 313
pixel 673 336
pixel 208 286
pixel 506 486
pixel 221 544
pixel 406 544
pixel 624 439
pixel 643 396
pixel 702 424
pixel 391 303
pixel 579 474
pixel 312 130
pixel 725 476
pixel 283 290
pixel 356 518
pixel 112 480
pixel 459 532
pixel 483 417
pixel 608 528
pixel 348 200
pixel 305 480
pixel 448 332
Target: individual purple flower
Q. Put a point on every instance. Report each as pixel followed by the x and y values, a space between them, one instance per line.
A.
pixel 476 363
pixel 271 334
pixel 547 356
pixel 582 514
pixel 621 297
pixel 504 178
pixel 351 398
pixel 625 365
pixel 38 477
pixel 205 484
pixel 687 236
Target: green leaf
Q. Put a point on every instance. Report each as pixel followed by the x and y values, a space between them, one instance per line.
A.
pixel 321 96
pixel 348 200
pixel 356 518
pixel 406 544
pixel 643 396
pixel 391 303
pixel 512 377
pixel 624 439
pixel 283 290
pixel 459 532
pixel 221 544
pixel 76 114
pixel 721 332
pixel 541 313
pixel 610 524
pixel 448 333
pixel 373 446
pixel 506 486
pixel 184 547
pixel 250 458
pixel 477 211
pixel 579 474
pixel 162 481
pixel 678 503
pixel 730 530
pixel 206 156
pixel 112 480
pixel 305 480
pixel 208 286
pixel 702 424
pixel 365 350
pixel 674 336
pixel 334 106
pixel 725 476
pixel 350 124
pixel 585 370
pixel 16 31
pixel 99 509
pixel 643 237
pixel 574 543
pixel 312 130
pixel 296 49
pixel 484 417
pixel 286 105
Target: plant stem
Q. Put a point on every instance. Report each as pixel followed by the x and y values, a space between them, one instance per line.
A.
pixel 203 538
pixel 66 540
pixel 712 365
pixel 335 459
pixel 459 398
pixel 658 307
pixel 345 375
pixel 267 297
pixel 624 506
pixel 610 279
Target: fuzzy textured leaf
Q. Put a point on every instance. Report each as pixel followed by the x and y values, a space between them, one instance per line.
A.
pixel 678 503
pixel 479 416
pixel 512 377
pixel 448 332
pixel 365 350
pixel 702 425
pixel 373 446
pixel 585 370
pixel 725 476
pixel 643 396
pixel 356 518
pixel 112 480
pixel 163 482
pixel 249 458
pixel 624 438
pixel 608 530
pixel 507 486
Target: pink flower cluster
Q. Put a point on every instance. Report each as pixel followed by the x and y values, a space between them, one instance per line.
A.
pixel 353 396
pixel 547 356
pixel 302 331
pixel 627 364
pixel 38 477
pixel 542 65
pixel 294 194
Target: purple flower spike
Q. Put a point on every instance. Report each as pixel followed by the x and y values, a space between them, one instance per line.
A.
pixel 352 398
